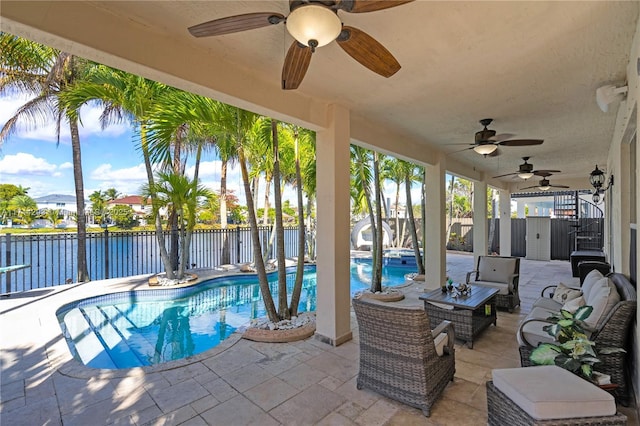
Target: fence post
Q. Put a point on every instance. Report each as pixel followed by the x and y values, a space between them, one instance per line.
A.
pixel 106 253
pixel 8 262
pixel 238 244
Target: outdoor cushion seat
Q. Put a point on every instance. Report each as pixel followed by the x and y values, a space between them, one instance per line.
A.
pixel 547 393
pixel 614 301
pixel 499 272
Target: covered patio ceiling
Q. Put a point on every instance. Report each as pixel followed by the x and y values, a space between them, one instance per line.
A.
pixel 531 66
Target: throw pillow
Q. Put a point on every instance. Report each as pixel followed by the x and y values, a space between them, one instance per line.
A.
pixel 602 300
pixel 589 281
pixel 563 293
pixel 573 305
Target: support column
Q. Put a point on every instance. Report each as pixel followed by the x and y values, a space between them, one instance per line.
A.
pixel 435 213
pixel 505 222
pixel 480 229
pixel 333 319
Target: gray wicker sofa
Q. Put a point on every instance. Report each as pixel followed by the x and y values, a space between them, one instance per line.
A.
pixel 398 356
pixel 612 329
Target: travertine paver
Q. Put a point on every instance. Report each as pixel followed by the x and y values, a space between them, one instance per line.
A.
pixel 271 393
pixel 240 382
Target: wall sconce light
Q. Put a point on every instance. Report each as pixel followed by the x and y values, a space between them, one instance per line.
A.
pixel 597 180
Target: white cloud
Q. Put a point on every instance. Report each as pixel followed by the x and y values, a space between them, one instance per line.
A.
pixel 89 114
pixel 127 181
pixel 22 164
pixel 65 166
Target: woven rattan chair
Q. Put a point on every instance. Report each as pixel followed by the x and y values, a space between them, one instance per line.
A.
pixel 398 357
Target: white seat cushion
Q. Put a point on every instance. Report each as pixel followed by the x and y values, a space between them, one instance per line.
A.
pixel 533 331
pixel 441 340
pixel 548 304
pixel 550 392
pixel 503 288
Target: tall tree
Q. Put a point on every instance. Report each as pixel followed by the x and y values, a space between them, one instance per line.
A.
pixel 393 171
pixel 411 174
pixel 46 74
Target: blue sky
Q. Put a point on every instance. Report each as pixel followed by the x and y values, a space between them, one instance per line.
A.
pixel 31 158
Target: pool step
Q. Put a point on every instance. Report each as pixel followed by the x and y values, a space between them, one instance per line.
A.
pixel 87 345
pixel 115 343
pixel 143 347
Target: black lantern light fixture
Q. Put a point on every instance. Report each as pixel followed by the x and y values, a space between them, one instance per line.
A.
pixel 597 180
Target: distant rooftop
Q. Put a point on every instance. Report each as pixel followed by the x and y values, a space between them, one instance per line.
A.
pixel 56 198
pixel 131 199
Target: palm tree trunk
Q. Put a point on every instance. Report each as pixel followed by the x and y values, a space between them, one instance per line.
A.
pixel 166 260
pixel 412 227
pixel 283 307
pixel 83 274
pixel 226 254
pixel 263 281
pixel 265 212
pixel 398 235
pixel 297 286
pixel 377 272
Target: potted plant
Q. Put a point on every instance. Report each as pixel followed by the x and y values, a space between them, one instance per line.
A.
pixel 573 350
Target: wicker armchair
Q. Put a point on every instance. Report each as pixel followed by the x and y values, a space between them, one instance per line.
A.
pixel 398 357
pixel 613 331
pixel 501 272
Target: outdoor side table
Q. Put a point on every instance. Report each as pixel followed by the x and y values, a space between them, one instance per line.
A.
pixel 469 314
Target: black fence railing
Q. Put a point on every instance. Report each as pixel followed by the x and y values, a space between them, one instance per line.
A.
pixel 52 258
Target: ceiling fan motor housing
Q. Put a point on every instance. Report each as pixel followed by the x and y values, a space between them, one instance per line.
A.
pixel 485 135
pixel 526 167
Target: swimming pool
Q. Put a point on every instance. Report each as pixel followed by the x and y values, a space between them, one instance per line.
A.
pixel 141 328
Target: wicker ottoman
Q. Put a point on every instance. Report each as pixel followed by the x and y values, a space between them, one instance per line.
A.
pixel 548 395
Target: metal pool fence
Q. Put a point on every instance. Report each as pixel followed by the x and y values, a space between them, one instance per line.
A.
pixel 52 258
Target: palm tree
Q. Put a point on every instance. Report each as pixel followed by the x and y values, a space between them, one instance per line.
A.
pixel 25 208
pixel 181 194
pixel 98 205
pixel 392 170
pixel 46 74
pixel 125 96
pixel 411 173
pixel 53 216
pixel 364 172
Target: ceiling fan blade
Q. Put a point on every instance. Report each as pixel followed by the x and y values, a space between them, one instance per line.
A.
pixel 366 50
pixel 521 142
pixel 559 186
pixel 501 137
pixel 295 65
pixel 234 24
pixel 361 6
pixel 545 172
pixel 508 174
pixel 460 150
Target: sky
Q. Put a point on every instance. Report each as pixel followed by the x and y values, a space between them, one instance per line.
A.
pixel 32 158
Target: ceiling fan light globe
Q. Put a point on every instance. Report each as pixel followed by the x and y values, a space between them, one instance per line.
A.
pixel 485 149
pixel 314 22
pixel 525 176
pixel 544 188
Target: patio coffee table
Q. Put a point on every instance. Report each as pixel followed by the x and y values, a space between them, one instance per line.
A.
pixel 469 314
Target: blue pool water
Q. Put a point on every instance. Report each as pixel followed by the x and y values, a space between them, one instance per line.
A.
pixel 141 328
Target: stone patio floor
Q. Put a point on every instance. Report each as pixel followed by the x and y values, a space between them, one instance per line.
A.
pixel 239 382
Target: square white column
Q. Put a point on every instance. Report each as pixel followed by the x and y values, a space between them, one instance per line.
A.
pixel 505 222
pixel 480 228
pixel 333 319
pixel 435 247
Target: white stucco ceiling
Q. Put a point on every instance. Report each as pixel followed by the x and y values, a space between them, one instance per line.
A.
pixel 531 66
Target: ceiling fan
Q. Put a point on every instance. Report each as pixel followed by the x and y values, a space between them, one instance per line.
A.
pixel 487 142
pixel 525 171
pixel 544 184
pixel 313 24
